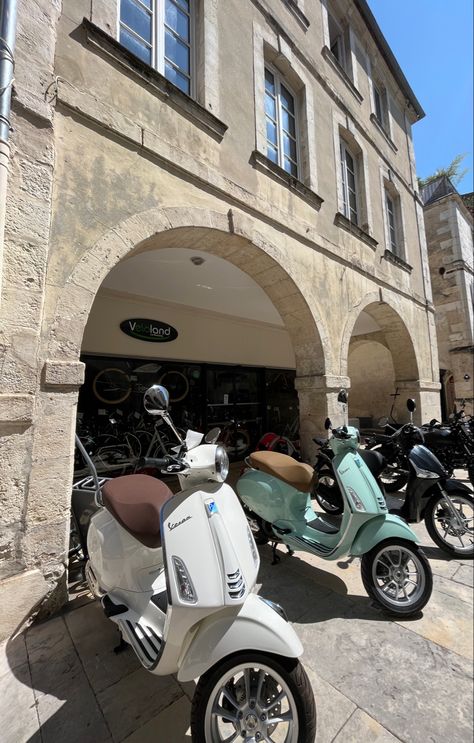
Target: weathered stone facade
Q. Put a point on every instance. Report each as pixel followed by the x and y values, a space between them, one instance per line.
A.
pixel 110 159
pixel 449 235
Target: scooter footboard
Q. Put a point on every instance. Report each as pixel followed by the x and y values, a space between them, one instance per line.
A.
pixel 377 530
pixel 256 627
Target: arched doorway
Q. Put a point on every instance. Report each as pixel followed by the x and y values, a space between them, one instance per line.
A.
pixel 381 363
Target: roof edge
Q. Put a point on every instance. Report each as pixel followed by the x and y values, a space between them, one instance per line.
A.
pixel 374 28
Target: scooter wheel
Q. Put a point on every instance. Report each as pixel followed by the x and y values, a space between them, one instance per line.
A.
pixel 252 696
pixel 443 530
pixel 397 576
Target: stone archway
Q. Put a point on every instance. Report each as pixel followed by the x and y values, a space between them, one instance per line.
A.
pixel 388 352
pixel 232 236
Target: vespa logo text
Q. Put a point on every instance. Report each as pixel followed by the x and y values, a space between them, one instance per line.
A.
pixel 149 330
pixel 178 523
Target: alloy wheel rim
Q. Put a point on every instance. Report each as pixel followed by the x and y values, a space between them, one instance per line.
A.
pixel 251 703
pixel 398 575
pixel 448 528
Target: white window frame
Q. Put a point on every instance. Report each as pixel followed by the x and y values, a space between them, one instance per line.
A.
pixel 158 26
pixel 339 40
pixel 346 207
pixel 280 80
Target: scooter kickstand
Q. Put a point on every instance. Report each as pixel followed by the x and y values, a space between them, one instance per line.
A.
pixel 121 646
pixel 276 558
pixel 290 551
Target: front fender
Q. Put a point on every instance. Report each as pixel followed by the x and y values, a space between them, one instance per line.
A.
pixel 256 627
pixel 378 529
pixel 451 485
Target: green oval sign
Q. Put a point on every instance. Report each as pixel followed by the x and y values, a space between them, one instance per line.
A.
pixel 149 330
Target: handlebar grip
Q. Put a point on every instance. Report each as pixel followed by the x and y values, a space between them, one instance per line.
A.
pixel 144 462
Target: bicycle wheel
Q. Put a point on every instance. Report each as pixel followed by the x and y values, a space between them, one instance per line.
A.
pixel 111 386
pixel 176 384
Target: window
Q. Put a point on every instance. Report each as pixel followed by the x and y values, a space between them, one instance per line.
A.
pixel 336 40
pixel 281 123
pixel 349 184
pixel 159 32
pixel 381 106
pixel 394 220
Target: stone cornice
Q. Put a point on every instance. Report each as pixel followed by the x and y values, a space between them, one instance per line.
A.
pixel 341 221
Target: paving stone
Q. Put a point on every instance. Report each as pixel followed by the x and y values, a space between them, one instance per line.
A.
pixel 67 708
pixel 446 620
pixel 171 725
pixel 396 676
pixel 18 716
pixel 362 727
pixel 12 654
pixel 136 699
pixel 453 588
pixel 465 575
pixel 95 638
pixel 333 709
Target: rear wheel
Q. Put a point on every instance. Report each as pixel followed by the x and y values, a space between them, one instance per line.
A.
pixel 254 696
pixel 453 535
pixel 397 575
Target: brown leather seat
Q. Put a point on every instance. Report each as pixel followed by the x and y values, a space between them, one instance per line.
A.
pixel 136 501
pixel 297 474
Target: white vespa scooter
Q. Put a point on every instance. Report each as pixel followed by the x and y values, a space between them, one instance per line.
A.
pixel 176 573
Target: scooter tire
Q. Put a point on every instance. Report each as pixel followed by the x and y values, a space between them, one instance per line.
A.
pixel 287 669
pixel 430 518
pixel 375 592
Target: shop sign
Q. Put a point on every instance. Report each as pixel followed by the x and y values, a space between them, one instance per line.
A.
pixel 149 330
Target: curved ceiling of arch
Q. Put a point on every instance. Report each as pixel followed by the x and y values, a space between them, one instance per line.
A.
pixel 216 285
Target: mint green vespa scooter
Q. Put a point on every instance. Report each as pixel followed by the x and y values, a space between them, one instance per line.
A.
pixel 275 491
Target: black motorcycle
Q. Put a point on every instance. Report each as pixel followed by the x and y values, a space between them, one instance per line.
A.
pixel 446 505
pixel 452 443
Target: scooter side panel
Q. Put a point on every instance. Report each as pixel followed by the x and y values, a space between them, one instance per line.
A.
pixel 377 530
pixel 256 627
pixel 271 498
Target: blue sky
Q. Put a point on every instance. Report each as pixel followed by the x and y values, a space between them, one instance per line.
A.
pixel 433 43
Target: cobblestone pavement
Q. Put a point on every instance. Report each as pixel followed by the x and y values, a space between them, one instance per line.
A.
pixel 374 679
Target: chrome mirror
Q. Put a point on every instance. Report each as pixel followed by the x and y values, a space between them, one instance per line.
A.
pixel 212 436
pixel 156 400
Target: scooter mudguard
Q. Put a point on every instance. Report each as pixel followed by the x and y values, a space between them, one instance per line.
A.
pixel 378 530
pixel 257 626
pixel 452 485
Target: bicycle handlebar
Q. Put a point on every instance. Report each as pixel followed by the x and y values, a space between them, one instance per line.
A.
pixel 156 462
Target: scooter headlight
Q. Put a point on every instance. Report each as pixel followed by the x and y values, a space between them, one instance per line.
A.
pixel 222 464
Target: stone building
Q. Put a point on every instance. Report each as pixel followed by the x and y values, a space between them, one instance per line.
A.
pixel 449 235
pixel 240 172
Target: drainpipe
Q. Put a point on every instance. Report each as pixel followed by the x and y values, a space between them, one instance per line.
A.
pixel 8 13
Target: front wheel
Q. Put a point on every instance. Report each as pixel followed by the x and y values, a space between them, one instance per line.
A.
pixel 453 535
pixel 252 696
pixel 397 576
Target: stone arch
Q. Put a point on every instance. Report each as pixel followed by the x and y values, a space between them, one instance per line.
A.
pixel 232 236
pixel 394 335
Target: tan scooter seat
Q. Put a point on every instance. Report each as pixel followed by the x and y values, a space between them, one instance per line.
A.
pixel 136 501
pixel 297 474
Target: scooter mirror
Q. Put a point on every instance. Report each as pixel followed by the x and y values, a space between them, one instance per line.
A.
pixel 212 436
pixel 327 424
pixel 411 405
pixel 382 422
pixel 342 396
pixel 156 400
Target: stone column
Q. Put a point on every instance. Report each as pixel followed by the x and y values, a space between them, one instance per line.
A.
pixel 425 393
pixel 317 401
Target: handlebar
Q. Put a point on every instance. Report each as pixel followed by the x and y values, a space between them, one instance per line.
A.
pixel 157 462
pixel 341 433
